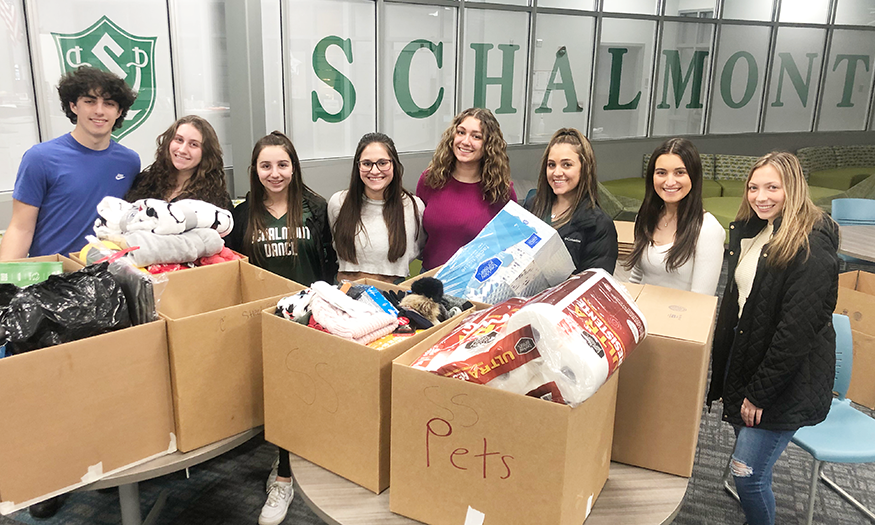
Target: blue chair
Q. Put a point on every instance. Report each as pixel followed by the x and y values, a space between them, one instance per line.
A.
pixel 853 211
pixel 847 435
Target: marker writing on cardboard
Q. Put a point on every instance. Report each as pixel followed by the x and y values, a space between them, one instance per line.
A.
pixel 454 406
pixel 441 428
pixel 311 382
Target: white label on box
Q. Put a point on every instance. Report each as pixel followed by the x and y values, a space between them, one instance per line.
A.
pixel 95 472
pixel 588 506
pixel 475 517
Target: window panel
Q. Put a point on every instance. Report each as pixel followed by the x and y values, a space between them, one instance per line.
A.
pixel 848 81
pixel 644 7
pixel 622 85
pixel 494 67
pixel 683 74
pixel 114 36
pixel 737 93
pixel 748 9
pixel 419 55
pixel 807 12
pixel 203 76
pixel 331 68
pixel 561 74
pixel 584 5
pixel 272 51
pixel 691 8
pixel 856 12
pixel 795 79
pixel 18 126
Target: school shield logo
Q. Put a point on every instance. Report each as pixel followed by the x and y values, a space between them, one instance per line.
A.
pixel 106 46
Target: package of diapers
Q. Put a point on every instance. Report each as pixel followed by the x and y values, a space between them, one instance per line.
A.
pixel 515 255
pixel 561 345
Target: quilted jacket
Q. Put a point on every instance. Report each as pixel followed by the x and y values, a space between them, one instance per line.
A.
pixel 780 354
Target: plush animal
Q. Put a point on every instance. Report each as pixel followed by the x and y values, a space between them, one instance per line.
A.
pixel 156 216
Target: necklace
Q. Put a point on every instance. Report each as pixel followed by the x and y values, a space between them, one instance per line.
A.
pixel 665 224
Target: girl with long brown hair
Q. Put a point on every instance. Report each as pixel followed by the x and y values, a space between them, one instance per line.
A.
pixel 376 223
pixel 188 165
pixel 465 185
pixel 567 199
pixel 677 243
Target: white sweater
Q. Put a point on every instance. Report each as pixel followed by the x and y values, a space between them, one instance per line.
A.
pixel 372 243
pixel 699 274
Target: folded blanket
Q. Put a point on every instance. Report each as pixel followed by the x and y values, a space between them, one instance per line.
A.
pixel 345 317
pixel 185 247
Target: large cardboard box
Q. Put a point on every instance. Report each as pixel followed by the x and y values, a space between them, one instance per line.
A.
pixel 519 460
pixel 69 265
pixel 214 333
pixel 857 301
pixel 327 399
pixel 74 413
pixel 662 382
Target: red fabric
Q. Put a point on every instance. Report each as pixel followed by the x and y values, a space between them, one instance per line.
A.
pixel 223 256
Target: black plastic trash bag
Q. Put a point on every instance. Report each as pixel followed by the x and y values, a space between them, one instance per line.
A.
pixel 61 309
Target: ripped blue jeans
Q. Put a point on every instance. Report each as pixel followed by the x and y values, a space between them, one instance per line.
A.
pixel 756 451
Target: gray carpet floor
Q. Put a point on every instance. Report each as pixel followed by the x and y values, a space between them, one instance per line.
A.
pixel 230 489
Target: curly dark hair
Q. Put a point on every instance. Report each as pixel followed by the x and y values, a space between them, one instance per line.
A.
pixel 89 80
pixel 208 181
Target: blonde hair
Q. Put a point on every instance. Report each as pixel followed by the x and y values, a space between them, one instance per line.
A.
pixel 494 165
pixel 799 215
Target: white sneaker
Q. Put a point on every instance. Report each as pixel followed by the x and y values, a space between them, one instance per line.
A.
pixel 279 497
pixel 271 478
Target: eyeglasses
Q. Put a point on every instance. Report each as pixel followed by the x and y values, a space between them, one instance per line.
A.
pixel 367 165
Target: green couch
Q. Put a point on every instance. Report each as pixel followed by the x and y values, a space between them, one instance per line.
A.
pixel 837 167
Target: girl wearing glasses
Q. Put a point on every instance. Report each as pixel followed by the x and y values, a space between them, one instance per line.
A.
pixel 567 199
pixel 376 223
pixel 465 185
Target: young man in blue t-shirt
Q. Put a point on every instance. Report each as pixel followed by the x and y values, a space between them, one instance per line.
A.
pixel 60 182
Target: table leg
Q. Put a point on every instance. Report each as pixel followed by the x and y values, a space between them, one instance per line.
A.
pixel 129 500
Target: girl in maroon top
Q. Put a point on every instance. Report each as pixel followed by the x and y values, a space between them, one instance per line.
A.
pixel 465 185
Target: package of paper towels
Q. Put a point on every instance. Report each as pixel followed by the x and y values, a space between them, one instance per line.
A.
pixel 515 255
pixel 561 345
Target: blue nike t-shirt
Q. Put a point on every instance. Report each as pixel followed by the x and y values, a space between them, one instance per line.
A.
pixel 66 181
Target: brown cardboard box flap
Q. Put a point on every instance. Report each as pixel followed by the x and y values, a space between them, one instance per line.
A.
pixel 677 314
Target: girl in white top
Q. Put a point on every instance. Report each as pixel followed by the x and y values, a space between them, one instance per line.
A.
pixel 677 244
pixel 376 223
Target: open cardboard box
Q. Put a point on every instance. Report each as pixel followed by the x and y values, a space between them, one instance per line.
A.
pixel 214 335
pixel 857 301
pixel 77 412
pixel 517 459
pixel 661 391
pixel 69 265
pixel 327 399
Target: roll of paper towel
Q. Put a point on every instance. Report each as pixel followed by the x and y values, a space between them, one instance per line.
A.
pixel 583 329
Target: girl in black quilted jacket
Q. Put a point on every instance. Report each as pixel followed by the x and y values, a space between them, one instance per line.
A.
pixel 774 346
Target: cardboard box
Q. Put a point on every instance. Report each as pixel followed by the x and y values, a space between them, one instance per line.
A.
pixel 77 412
pixel 69 265
pixel 214 334
pixel 431 273
pixel 662 382
pixel 517 459
pixel 327 399
pixel 857 301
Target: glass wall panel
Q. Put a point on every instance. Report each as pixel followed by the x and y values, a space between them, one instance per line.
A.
pixel 644 7
pixel 848 81
pixel 748 9
pixel 856 12
pixel 18 126
pixel 739 73
pixel 203 76
pixel 682 73
pixel 508 2
pixel 419 73
pixel 561 75
pixel 272 51
pixel 806 12
pixel 795 79
pixel 586 5
pixel 128 38
pixel 494 66
pixel 691 8
pixel 330 67
pixel 622 79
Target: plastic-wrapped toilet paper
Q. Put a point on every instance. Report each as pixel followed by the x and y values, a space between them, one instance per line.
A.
pixel 561 345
